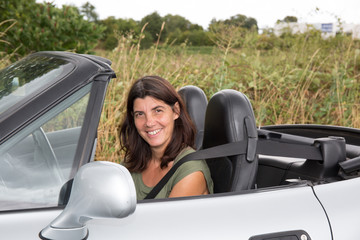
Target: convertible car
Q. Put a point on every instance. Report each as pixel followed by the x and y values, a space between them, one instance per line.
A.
pixel 287 182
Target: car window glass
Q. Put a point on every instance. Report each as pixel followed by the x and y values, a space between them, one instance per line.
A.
pixel 29 75
pixel 37 161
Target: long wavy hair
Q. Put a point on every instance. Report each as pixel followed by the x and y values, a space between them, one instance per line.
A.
pixel 137 150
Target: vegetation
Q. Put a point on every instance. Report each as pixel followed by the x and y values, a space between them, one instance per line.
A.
pixel 300 78
pixel 292 78
pixel 288 19
pixel 32 27
pixel 176 30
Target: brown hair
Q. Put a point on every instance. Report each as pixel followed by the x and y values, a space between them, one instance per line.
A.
pixel 137 150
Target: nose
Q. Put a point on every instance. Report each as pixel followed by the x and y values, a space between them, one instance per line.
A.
pixel 149 121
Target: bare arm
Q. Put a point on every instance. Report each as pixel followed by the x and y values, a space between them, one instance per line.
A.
pixel 191 185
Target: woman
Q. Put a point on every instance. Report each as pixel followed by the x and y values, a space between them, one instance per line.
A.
pixel 156 133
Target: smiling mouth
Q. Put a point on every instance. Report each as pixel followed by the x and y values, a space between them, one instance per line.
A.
pixel 154 132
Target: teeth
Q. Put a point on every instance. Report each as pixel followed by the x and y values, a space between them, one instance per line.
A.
pixel 154 132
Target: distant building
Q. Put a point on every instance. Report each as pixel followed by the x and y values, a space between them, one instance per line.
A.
pixel 327 29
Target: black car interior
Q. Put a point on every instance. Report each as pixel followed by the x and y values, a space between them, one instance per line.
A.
pixel 196 103
pixel 229 118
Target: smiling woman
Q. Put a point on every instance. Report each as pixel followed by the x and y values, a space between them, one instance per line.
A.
pixel 154 120
pixel 156 133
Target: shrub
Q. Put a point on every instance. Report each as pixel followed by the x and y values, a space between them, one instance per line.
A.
pixel 44 27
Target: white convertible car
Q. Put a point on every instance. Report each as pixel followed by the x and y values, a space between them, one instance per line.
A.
pixel 287 182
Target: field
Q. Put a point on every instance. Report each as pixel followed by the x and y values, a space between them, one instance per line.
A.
pixel 295 79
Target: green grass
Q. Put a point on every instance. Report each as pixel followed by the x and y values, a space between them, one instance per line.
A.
pixel 289 80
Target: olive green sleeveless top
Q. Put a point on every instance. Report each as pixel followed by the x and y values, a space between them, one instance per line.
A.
pixel 185 169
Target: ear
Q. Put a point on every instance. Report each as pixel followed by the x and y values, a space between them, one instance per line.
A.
pixel 176 110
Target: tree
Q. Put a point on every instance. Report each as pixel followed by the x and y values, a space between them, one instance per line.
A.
pixel 238 20
pixel 227 36
pixel 173 22
pixel 89 11
pixel 230 33
pixel 44 27
pixel 115 28
pixel 154 24
pixel 288 19
pixel 179 30
pixel 196 27
pixel 199 38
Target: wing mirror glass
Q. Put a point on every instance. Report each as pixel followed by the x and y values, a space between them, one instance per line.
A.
pixel 100 190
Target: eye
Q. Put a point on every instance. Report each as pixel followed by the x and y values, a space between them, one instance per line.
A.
pixel 158 110
pixel 138 114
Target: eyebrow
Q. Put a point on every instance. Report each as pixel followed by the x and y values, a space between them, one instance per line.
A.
pixel 159 106
pixel 154 108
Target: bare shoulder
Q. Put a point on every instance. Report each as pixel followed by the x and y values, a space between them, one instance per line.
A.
pixel 191 185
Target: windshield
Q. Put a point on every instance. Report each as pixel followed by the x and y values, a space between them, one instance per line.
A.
pixel 23 78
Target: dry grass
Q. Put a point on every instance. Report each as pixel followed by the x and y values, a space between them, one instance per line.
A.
pixel 289 80
pixel 5 57
pixel 312 81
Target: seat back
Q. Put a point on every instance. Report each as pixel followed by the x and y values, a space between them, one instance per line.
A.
pixel 196 102
pixel 230 118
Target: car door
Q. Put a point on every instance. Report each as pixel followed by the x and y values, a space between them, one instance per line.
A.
pixel 277 213
pixel 341 201
pixel 38 161
pixel 50 106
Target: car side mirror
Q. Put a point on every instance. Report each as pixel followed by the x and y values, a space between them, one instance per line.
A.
pixel 100 190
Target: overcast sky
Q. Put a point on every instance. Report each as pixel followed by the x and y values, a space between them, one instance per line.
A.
pixel 201 12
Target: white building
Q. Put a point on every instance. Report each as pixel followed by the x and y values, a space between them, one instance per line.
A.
pixel 327 29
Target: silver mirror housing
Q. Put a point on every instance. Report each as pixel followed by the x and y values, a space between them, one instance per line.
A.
pixel 100 190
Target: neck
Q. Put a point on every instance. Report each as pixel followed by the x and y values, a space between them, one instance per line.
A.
pixel 156 156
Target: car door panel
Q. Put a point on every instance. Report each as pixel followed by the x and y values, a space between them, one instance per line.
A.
pixel 49 117
pixel 237 216
pixel 341 201
pixel 25 224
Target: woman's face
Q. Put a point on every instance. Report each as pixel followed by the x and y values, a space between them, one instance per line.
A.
pixel 154 121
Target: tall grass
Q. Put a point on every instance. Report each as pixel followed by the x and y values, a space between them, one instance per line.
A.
pixel 290 79
pixel 130 63
pixel 5 57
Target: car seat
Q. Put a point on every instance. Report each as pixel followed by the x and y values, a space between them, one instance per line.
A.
pixel 196 102
pixel 230 118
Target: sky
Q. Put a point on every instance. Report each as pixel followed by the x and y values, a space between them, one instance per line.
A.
pixel 201 12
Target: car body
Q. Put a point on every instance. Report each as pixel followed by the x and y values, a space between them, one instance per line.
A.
pixel 50 187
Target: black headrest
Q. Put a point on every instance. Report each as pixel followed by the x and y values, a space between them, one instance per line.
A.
pixel 230 118
pixel 196 102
